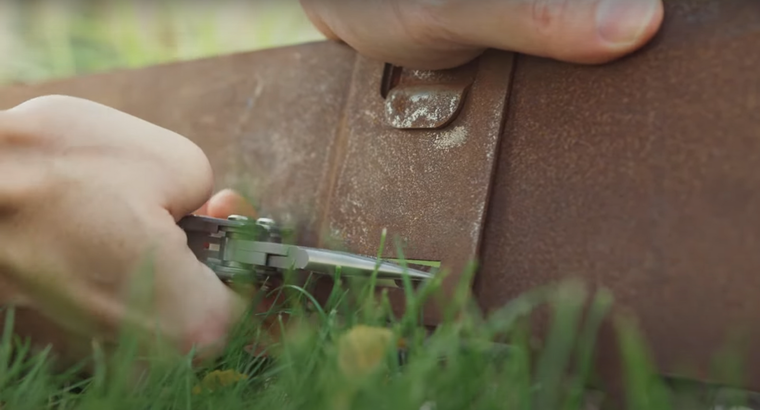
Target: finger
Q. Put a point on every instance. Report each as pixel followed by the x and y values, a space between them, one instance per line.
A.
pixel 202 210
pixel 386 31
pixel 317 21
pixel 225 203
pixel 435 35
pixel 581 31
pixel 163 164
pixel 197 310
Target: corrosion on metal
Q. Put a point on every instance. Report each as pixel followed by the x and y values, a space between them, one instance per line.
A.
pixel 332 179
pixel 427 187
pixel 642 177
pixel 239 109
pixel 420 99
pixel 639 176
pixel 423 106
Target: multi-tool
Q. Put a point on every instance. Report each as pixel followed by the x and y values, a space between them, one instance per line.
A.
pixel 239 247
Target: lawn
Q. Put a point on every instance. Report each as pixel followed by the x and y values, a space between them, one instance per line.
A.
pixel 349 353
pixel 352 353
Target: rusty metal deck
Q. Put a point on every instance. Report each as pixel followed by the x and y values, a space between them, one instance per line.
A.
pixel 639 175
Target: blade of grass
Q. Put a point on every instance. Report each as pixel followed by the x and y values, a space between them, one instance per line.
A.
pixel 644 391
pixel 567 307
pixel 599 309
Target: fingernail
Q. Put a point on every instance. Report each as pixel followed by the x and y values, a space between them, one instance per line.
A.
pixel 624 21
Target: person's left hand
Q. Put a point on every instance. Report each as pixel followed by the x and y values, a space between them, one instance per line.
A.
pixel 434 35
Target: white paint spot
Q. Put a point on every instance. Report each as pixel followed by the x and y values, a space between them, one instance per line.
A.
pixel 452 138
pixel 421 108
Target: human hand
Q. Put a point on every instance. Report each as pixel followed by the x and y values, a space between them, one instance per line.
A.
pixel 90 196
pixel 439 34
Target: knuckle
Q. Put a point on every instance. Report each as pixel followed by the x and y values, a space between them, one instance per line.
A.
pixel 50 116
pixel 194 173
pixel 45 104
pixel 23 154
pixel 31 186
pixel 547 16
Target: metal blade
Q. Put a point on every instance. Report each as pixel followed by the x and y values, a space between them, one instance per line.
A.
pixel 325 261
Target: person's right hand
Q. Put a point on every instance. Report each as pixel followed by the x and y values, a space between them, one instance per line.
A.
pixel 89 199
pixel 438 34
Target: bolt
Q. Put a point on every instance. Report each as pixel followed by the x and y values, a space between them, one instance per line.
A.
pixel 266 222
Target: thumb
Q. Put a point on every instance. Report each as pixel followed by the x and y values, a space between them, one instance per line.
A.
pixel 443 34
pixel 581 31
pixel 225 203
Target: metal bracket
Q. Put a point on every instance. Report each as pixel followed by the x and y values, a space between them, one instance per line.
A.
pixel 416 99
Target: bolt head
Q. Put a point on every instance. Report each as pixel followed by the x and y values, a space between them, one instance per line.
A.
pixel 265 222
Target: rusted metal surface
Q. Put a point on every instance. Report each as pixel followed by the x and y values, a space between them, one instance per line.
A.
pixel 301 130
pixel 639 175
pixel 423 106
pixel 423 100
pixel 428 187
pixel 267 120
pixel 642 176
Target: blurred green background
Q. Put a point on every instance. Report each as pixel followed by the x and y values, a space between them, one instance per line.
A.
pixel 49 39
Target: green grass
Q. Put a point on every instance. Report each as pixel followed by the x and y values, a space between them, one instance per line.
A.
pixel 50 39
pixel 318 367
pixel 345 354
pixel 306 372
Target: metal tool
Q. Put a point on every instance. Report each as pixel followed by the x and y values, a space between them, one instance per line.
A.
pixel 254 249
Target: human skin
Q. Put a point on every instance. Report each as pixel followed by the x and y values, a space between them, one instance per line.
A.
pixel 95 193
pixel 438 34
pixel 93 200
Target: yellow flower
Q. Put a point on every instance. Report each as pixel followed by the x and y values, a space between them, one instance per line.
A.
pixel 362 349
pixel 217 379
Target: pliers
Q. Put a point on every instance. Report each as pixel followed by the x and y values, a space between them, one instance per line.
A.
pixel 239 246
